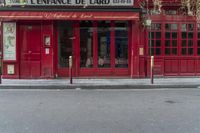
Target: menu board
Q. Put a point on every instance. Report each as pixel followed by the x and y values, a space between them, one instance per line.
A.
pixel 9 41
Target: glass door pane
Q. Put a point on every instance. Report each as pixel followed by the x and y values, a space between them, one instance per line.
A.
pixel 86 44
pixel 121 44
pixel 103 32
pixel 65 35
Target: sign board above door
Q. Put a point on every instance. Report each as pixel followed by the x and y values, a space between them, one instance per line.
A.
pixel 83 3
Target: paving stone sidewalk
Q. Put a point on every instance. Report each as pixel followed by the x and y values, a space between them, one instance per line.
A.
pixel 105 83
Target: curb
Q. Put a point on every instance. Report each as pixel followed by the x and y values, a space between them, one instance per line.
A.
pixel 97 86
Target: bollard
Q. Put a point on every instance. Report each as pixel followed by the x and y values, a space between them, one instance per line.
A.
pixel 70 69
pixel 152 66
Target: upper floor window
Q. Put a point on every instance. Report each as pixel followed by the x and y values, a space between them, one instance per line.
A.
pixel 171 35
pixel 154 42
pixel 187 37
pixel 198 39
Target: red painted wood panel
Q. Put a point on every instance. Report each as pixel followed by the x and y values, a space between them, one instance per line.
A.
pixel 198 66
pixel 191 66
pixel 142 67
pixel 183 66
pixel 174 66
pixel 167 67
pixel 47 59
pixel 187 66
pixel 171 67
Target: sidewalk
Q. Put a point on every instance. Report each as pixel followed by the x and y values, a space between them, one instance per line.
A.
pixel 191 82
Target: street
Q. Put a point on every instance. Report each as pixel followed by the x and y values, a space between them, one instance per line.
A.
pixel 100 111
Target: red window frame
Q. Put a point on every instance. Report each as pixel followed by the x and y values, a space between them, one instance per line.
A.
pixel 198 39
pixel 171 39
pixel 187 39
pixel 155 39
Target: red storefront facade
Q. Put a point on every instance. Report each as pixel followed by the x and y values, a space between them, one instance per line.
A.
pixel 111 42
pixel 45 40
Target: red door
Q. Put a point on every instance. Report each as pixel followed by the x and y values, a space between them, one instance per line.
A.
pixel 30 50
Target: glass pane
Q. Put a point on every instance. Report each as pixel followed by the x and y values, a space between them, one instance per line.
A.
pixel 158 43
pixel 153 25
pixel 198 27
pixel 198 34
pixel 65 35
pixel 198 43
pixel 151 52
pixel 174 35
pixel 167 26
pixel 158 35
pixel 183 51
pixel 174 43
pixel 198 51
pixel 167 51
pixel 190 35
pixel 167 35
pixel 190 27
pixel 158 51
pixel 121 44
pixel 174 27
pixel 190 51
pixel 167 43
pixel 183 27
pixel 151 36
pixel 183 43
pixel 151 43
pixel 184 35
pixel 190 43
pixel 157 26
pixel 86 47
pixel 174 51
pixel 103 43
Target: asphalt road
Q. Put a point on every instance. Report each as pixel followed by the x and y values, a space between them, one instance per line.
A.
pixel 100 111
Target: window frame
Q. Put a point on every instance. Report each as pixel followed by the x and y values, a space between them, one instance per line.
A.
pixel 154 38
pixel 170 47
pixel 187 39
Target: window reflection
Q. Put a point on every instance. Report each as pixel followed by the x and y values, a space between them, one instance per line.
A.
pixel 64 43
pixel 86 47
pixel 103 44
pixel 121 44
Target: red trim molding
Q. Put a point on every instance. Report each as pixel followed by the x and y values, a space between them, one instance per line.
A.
pixel 69 15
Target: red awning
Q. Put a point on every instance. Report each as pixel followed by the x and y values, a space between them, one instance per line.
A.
pixel 16 15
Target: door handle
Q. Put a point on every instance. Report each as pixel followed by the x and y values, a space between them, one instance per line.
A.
pixel 29 52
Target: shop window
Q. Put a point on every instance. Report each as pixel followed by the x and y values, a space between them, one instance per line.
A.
pixel 86 44
pixel 171 35
pixel 65 36
pixel 104 44
pixel 154 36
pixel 187 37
pixel 121 44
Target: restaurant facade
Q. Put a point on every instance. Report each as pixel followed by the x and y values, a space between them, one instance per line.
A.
pixel 106 38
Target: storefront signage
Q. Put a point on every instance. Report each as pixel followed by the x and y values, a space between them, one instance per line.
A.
pixel 69 2
pixel 9 41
